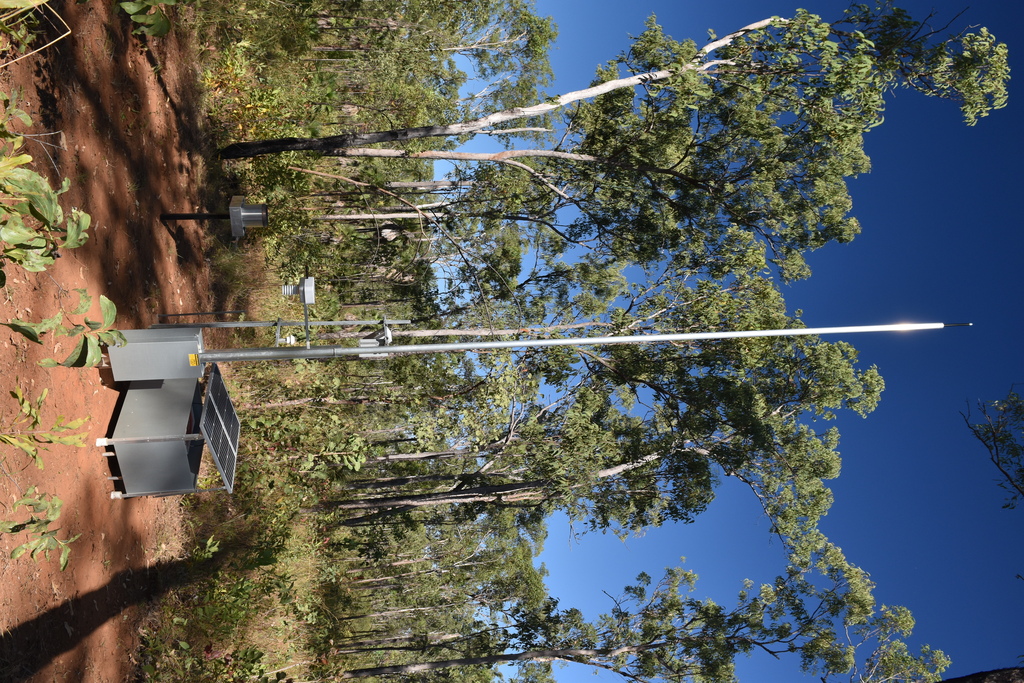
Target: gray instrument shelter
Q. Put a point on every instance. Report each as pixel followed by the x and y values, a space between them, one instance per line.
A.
pixel 160 433
pixel 157 354
pixel 163 425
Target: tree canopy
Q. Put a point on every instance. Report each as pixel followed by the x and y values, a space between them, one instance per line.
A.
pixel 684 186
pixel 1001 430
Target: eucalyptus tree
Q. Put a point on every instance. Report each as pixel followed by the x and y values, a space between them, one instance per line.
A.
pixel 660 632
pixel 856 59
pixel 679 153
pixel 629 437
pixel 455 588
pixel 768 119
pixel 709 171
pixel 1001 430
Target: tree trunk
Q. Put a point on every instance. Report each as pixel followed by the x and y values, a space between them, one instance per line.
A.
pixel 581 656
pixel 393 612
pixel 243 150
pixel 480 494
pixel 397 643
pixel 373 216
pixel 421 455
pixel 428 185
pixel 393 482
pixel 357 401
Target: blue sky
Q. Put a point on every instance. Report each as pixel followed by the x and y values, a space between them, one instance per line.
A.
pixel 917 504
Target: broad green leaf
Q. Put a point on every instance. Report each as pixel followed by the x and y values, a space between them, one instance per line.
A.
pixel 77 440
pixel 65 553
pixel 112 338
pixel 160 27
pixel 74 424
pixel 76 358
pixel 9 163
pixel 20 442
pixel 32 260
pixel 93 352
pixel 77 225
pixel 50 323
pixel 153 24
pixel 14 231
pixel 42 200
pixel 84 301
pixel 20 4
pixel 109 311
pixel 133 7
pixel 27 330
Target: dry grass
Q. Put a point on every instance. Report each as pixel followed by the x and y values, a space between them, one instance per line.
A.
pixel 17 30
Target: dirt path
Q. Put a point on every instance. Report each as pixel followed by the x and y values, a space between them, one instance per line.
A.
pixel 127 115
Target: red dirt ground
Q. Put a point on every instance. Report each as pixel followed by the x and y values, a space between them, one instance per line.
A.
pixel 127 113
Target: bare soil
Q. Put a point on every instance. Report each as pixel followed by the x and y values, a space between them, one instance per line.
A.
pixel 126 112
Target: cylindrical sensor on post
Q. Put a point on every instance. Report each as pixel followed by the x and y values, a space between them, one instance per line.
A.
pixel 246 216
pixel 305 290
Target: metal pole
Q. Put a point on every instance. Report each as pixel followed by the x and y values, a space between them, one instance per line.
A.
pixel 283 323
pixel 305 327
pixel 274 353
pixel 182 315
pixel 193 216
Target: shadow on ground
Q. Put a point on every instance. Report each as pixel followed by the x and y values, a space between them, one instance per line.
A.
pixel 30 646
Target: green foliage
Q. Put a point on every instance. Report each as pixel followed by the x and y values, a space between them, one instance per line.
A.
pixel 265 30
pixel 971 69
pixel 33 226
pixel 44 508
pixel 24 434
pixel 203 621
pixel 243 100
pixel 179 661
pixel 234 614
pixel 149 15
pixel 654 632
pixel 42 539
pixel 891 659
pixel 424 481
pixel 91 335
pixel 1001 431
pixel 18 25
pixel 321 439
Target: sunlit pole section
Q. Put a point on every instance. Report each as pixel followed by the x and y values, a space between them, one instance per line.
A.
pixel 277 353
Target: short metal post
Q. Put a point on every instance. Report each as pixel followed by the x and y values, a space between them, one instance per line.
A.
pixel 193 216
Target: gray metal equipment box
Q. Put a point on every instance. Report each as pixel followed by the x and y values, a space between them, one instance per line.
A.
pixel 156 354
pixel 155 458
pixel 160 432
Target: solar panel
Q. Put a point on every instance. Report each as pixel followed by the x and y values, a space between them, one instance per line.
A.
pixel 219 425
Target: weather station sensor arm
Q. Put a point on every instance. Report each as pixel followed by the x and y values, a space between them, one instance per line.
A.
pixel 277 353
